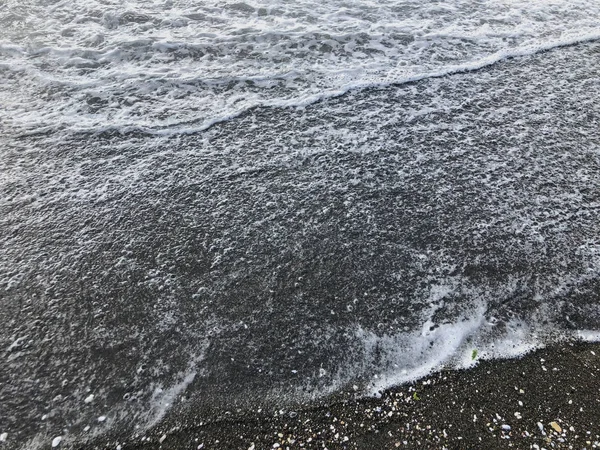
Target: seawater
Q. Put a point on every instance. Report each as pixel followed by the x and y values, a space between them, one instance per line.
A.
pixel 89 65
pixel 249 205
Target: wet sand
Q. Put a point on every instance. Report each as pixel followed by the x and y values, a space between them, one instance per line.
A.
pixel 549 398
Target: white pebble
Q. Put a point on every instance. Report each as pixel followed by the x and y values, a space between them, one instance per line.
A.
pixel 101 418
pixel 541 427
pixel 89 398
pixel 56 441
pixel 3 437
pixel 506 427
pixel 162 438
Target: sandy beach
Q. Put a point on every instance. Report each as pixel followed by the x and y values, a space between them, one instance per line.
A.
pixel 549 398
pixel 229 224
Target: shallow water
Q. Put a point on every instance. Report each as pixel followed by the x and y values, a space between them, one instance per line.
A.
pixel 160 264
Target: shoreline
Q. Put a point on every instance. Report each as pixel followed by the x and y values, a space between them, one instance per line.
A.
pixel 548 398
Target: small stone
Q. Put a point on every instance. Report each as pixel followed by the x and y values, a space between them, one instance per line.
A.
pixel 101 418
pixel 556 427
pixel 506 427
pixel 3 437
pixel 56 441
pixel 541 427
pixel 162 439
pixel 89 398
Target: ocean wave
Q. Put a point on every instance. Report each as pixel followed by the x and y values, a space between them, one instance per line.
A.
pixel 187 66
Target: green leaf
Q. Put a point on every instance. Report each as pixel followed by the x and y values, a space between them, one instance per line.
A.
pixel 474 354
pixel 416 396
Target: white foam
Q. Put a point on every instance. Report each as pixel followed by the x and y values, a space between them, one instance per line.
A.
pixel 588 335
pixel 219 62
pixel 413 355
pixel 460 346
pixel 163 399
pixel 305 101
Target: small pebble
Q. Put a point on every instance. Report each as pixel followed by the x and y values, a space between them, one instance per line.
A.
pixel 541 427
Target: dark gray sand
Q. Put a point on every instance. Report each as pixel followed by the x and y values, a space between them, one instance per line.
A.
pixel 548 399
